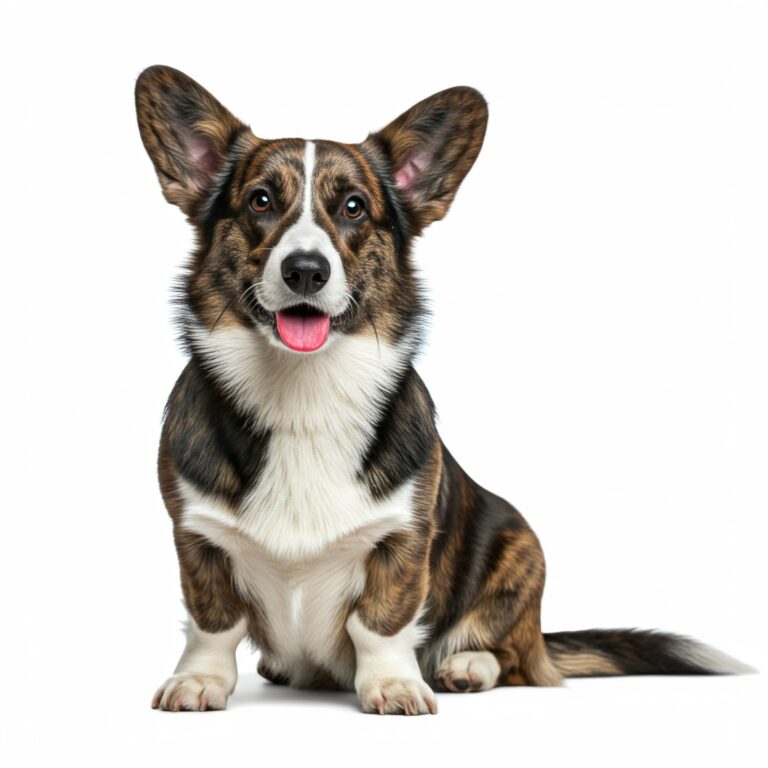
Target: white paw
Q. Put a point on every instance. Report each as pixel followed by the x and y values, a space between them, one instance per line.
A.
pixel 397 696
pixel 469 671
pixel 191 693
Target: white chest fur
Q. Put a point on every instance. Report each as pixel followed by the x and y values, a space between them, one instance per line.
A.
pixel 299 541
pixel 301 599
pixel 321 412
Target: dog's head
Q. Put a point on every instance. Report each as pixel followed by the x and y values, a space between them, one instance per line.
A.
pixel 305 240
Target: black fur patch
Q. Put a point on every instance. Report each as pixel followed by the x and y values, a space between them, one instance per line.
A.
pixel 404 438
pixel 211 444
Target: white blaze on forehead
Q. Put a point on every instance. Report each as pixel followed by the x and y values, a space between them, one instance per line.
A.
pixel 309 176
pixel 305 235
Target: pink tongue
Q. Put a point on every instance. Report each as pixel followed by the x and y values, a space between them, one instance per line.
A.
pixel 303 333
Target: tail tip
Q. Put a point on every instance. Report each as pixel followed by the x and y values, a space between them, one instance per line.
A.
pixel 708 659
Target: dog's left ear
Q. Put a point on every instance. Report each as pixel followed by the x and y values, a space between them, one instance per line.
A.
pixel 431 148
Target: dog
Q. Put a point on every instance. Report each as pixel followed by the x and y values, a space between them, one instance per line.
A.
pixel 314 507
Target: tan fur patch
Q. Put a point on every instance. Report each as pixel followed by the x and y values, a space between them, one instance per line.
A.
pixel 584 664
pixel 397 575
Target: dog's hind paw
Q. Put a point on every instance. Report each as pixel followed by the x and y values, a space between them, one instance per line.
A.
pixel 469 671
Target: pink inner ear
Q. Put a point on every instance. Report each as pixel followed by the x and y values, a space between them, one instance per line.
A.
pixel 203 158
pixel 410 172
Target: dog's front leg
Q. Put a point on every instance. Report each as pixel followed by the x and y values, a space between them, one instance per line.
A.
pixel 207 671
pixel 384 628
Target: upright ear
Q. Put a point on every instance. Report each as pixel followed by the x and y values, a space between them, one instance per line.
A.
pixel 186 132
pixel 432 146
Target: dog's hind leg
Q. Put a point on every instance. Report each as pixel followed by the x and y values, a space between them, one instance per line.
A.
pixel 499 640
pixel 266 671
pixel 522 654
pixel 518 658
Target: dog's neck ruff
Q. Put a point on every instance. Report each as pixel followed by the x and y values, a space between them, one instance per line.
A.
pixel 321 412
pixel 344 387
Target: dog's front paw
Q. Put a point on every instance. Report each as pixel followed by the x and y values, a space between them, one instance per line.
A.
pixel 397 696
pixel 191 693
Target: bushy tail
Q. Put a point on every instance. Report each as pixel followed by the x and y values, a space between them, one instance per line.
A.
pixel 598 652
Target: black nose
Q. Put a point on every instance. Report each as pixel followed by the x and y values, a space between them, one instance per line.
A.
pixel 305 272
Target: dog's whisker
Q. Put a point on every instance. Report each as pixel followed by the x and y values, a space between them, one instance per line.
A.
pixel 221 314
pixel 252 288
pixel 375 333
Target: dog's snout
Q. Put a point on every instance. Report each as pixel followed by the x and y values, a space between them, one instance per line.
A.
pixel 305 272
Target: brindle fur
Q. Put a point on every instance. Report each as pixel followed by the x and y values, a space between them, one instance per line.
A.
pixel 470 558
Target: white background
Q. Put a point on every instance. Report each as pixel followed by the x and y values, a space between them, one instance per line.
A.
pixel 597 355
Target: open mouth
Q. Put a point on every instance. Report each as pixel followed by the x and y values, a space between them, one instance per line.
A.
pixel 302 328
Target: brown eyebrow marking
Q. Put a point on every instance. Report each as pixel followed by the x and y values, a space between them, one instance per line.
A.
pixel 246 167
pixel 369 178
pixel 270 149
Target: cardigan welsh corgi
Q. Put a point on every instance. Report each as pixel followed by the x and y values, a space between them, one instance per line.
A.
pixel 315 508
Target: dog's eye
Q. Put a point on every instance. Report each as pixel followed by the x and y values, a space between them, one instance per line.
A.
pixel 354 207
pixel 260 201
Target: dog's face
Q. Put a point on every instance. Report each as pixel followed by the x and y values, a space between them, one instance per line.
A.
pixel 305 240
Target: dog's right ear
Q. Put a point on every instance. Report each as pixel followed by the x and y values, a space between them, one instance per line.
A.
pixel 187 133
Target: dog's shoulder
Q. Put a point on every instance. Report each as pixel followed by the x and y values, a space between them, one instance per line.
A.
pixel 211 444
pixel 404 439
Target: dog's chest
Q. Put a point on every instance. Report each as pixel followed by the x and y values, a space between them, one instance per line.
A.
pixel 299 539
pixel 303 598
pixel 321 414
